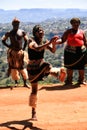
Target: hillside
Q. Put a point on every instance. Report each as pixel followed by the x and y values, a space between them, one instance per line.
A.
pixel 51 28
pixel 39 15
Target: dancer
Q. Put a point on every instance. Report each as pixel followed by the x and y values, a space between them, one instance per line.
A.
pixel 37 67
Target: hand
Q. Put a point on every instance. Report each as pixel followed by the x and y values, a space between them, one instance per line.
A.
pixel 47 41
pixel 54 39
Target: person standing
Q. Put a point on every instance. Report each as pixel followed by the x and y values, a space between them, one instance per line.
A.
pixel 15 53
pixel 75 51
pixel 37 67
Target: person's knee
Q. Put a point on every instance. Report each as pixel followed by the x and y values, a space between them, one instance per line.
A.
pixel 24 73
pixel 15 74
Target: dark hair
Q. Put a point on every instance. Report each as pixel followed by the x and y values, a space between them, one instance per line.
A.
pixel 75 20
pixel 36 28
pixel 15 20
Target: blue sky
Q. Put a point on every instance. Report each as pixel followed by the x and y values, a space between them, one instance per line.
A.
pixel 27 4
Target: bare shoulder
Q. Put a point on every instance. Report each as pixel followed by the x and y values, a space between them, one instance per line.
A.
pixel 31 43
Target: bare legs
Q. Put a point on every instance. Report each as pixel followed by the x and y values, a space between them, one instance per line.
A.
pixel 56 72
pixel 70 76
pixel 33 99
pixel 59 73
pixel 81 77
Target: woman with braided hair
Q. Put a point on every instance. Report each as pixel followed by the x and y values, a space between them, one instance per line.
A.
pixel 37 67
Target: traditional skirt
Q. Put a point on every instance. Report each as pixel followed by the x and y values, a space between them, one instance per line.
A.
pixel 37 69
pixel 15 74
pixel 16 59
pixel 75 57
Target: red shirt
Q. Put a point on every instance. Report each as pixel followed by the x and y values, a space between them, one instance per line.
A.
pixel 76 39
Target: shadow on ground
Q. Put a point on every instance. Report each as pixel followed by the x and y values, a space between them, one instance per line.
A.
pixel 25 123
pixel 59 87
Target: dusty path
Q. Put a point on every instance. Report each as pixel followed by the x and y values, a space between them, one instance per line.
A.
pixel 59 108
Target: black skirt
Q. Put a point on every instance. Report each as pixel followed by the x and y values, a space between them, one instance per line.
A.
pixel 75 57
pixel 36 71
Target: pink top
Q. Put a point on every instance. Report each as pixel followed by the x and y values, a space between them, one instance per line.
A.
pixel 76 39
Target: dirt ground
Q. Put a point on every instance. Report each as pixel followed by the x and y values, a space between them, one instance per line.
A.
pixel 59 108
